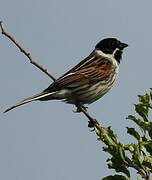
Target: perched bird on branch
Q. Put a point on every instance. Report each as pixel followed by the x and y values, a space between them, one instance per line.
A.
pixel 89 80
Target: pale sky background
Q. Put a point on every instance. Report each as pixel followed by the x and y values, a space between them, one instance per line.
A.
pixel 46 140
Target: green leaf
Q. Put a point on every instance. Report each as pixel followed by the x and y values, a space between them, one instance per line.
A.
pixel 142 110
pixel 121 152
pixel 142 148
pixel 148 146
pixel 137 157
pixel 115 177
pixel 144 99
pixel 107 136
pixel 148 162
pixel 118 165
pixel 130 147
pixel 150 129
pixel 133 133
pixel 144 125
pixel 134 119
pixel 112 135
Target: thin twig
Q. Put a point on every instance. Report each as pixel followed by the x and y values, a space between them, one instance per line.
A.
pixel 27 54
pixel 92 121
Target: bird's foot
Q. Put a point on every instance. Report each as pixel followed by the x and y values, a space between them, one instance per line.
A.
pixel 91 124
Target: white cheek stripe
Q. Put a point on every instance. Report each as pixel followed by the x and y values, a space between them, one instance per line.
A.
pixel 110 57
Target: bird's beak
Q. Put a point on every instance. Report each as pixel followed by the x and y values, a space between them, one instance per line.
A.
pixel 123 45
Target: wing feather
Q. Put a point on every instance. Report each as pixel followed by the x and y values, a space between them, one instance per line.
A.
pixel 91 70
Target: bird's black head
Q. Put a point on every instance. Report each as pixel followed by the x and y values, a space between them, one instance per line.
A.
pixel 110 46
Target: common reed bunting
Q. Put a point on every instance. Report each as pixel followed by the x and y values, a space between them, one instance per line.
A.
pixel 89 80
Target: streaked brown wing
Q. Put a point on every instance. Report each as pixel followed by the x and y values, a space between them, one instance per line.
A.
pixel 82 63
pixel 93 71
pixel 98 70
pixel 72 80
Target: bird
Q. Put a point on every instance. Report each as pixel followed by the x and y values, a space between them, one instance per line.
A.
pixel 89 80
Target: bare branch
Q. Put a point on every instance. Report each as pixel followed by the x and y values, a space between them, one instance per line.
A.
pixel 27 54
pixel 92 121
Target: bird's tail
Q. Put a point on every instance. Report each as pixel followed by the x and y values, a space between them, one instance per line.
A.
pixel 41 96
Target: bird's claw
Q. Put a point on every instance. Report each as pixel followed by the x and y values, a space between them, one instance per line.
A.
pixel 91 124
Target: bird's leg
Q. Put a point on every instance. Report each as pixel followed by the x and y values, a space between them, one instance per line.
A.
pixel 79 108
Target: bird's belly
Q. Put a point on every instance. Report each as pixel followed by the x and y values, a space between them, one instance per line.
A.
pixel 95 93
pixel 90 94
